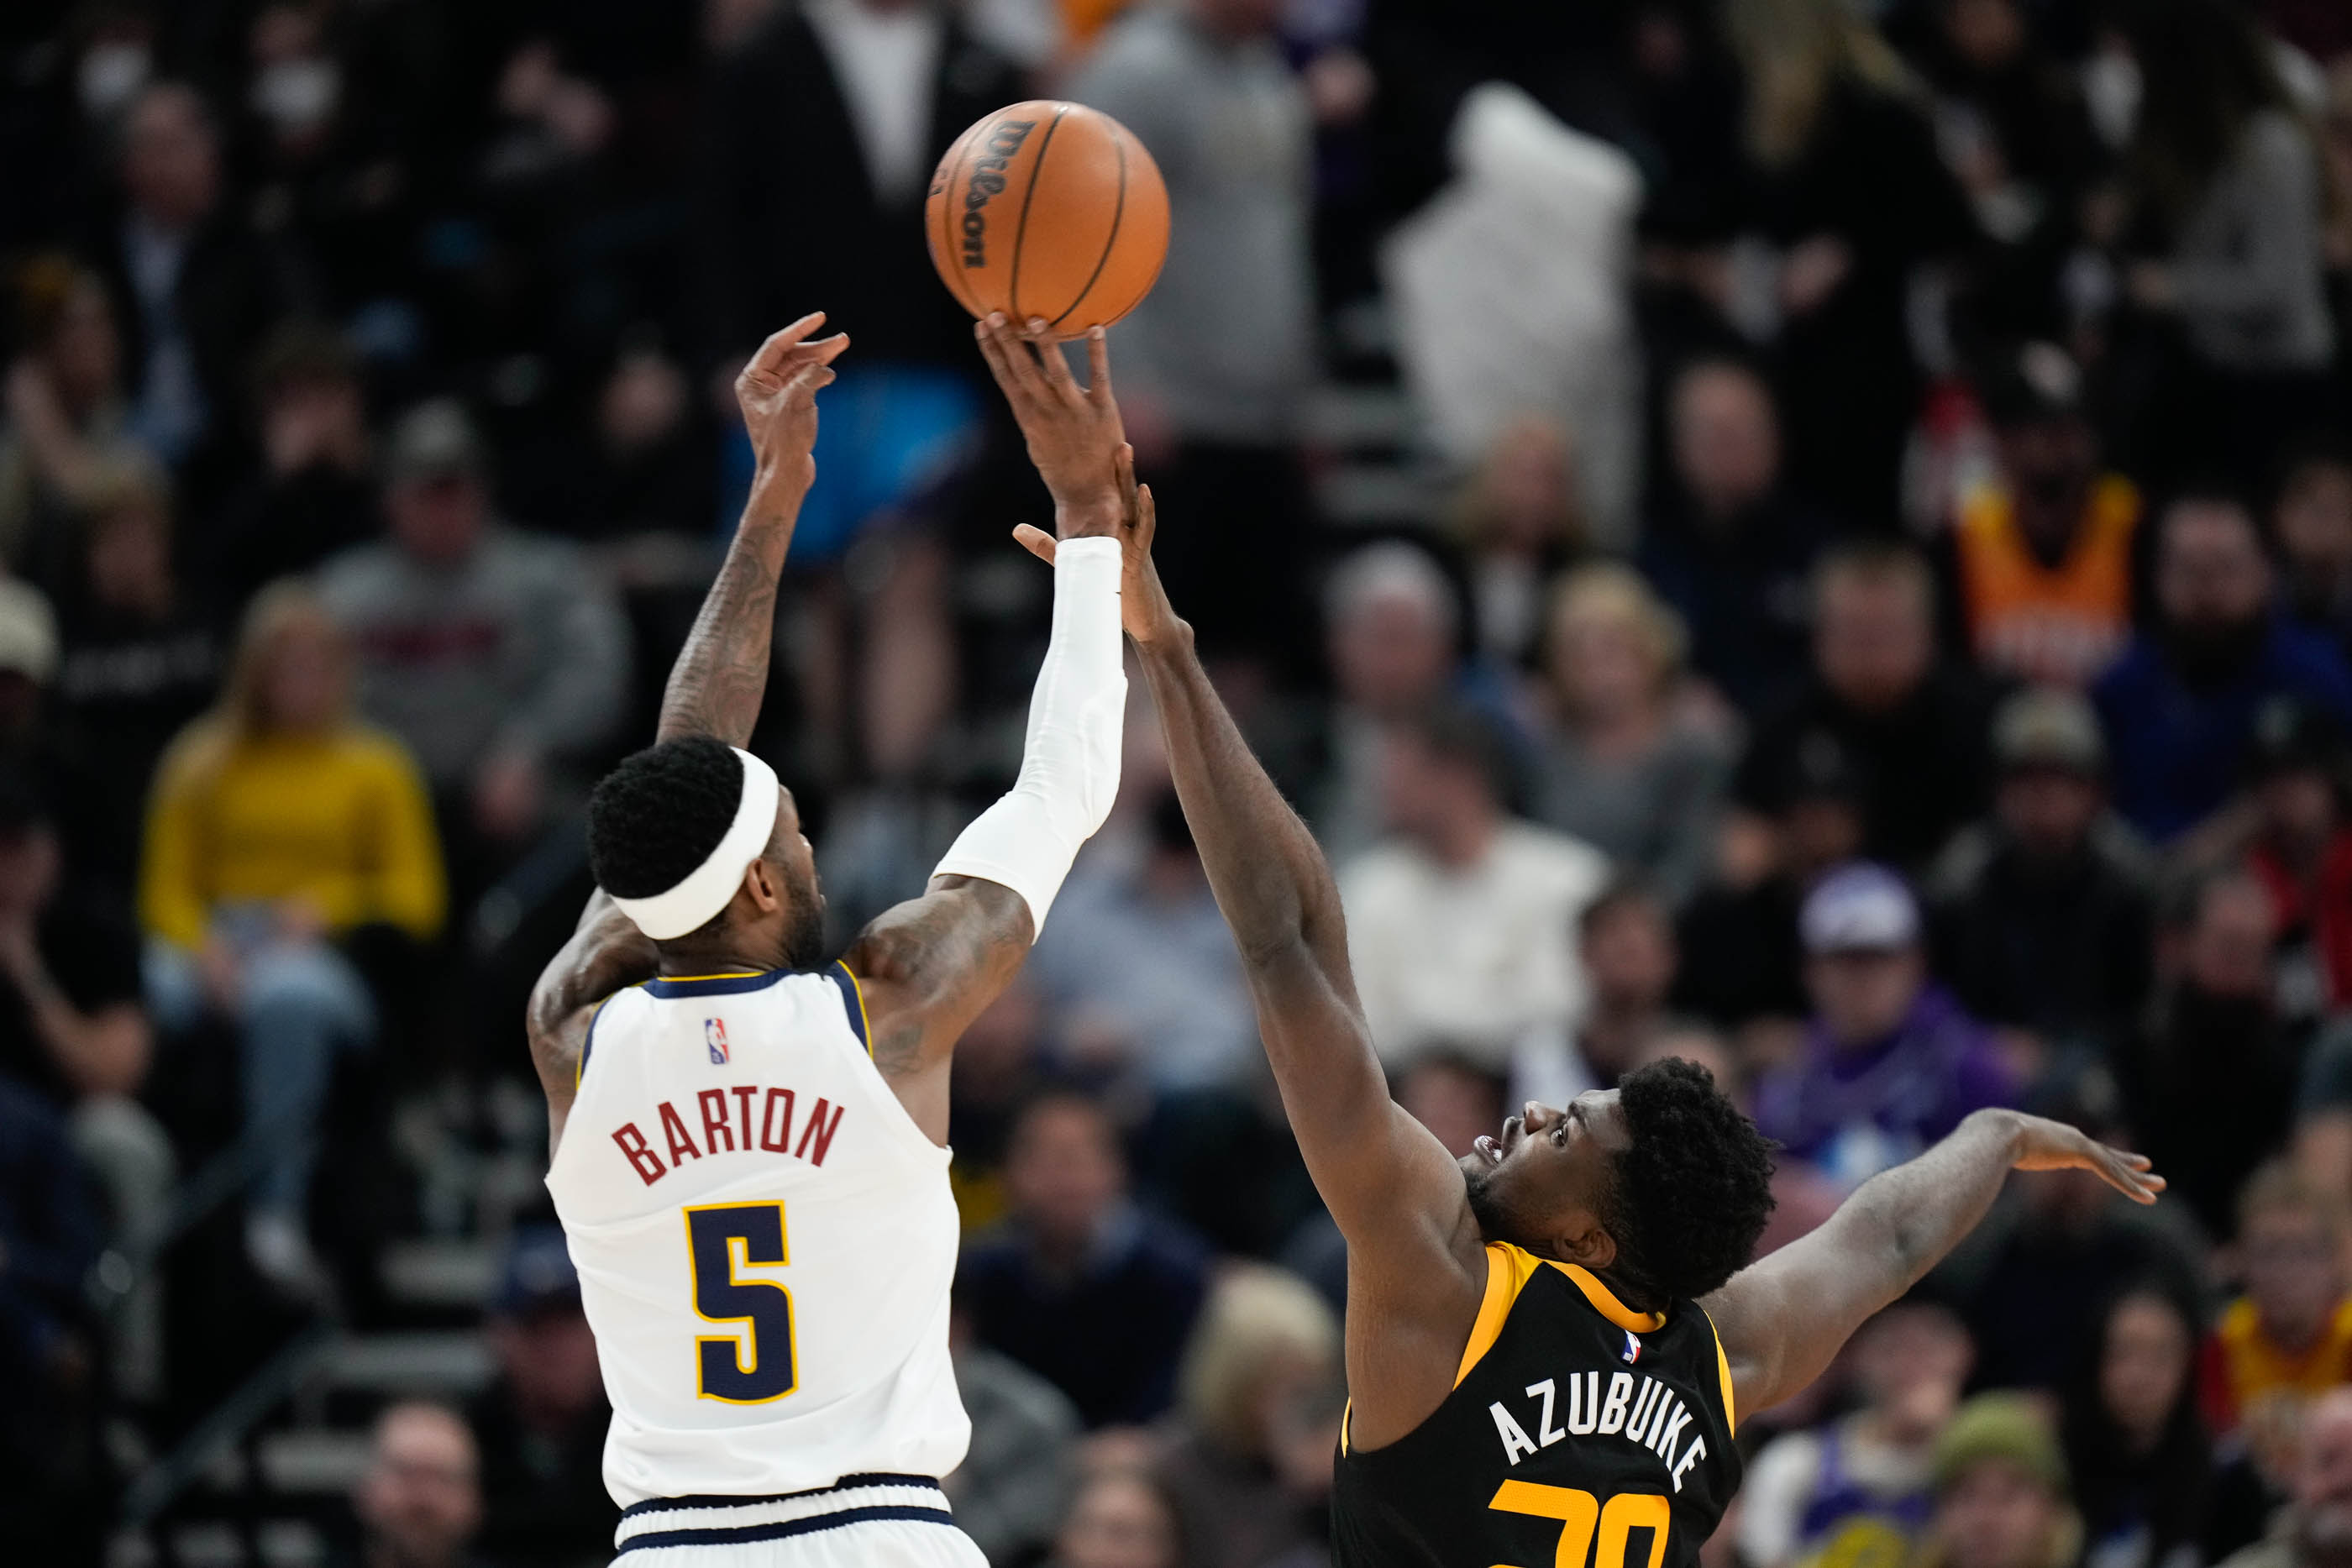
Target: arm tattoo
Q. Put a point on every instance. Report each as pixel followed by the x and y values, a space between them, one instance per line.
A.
pixel 945 956
pixel 721 673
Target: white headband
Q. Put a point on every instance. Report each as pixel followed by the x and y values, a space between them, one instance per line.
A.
pixel 710 886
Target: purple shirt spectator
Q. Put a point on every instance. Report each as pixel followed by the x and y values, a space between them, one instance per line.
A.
pixel 1891 1063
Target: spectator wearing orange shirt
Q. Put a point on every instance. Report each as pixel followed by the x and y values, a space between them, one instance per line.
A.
pixel 2043 554
pixel 2289 1337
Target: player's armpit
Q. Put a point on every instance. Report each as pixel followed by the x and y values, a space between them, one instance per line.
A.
pixel 927 968
pixel 606 952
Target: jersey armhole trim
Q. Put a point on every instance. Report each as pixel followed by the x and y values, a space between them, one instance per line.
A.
pixel 852 1002
pixel 1505 1279
pixel 587 1044
pixel 1722 1371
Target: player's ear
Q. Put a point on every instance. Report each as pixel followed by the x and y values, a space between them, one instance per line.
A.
pixel 1587 1246
pixel 767 895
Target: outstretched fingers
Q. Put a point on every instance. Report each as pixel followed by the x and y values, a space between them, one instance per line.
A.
pixel 770 358
pixel 1008 361
pixel 1053 365
pixel 2132 1174
pixel 1098 367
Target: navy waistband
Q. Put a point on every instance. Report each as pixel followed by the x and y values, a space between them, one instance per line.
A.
pixel 731 1535
pixel 699 1500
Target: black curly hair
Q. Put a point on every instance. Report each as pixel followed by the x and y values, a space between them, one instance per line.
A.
pixel 1692 1189
pixel 660 813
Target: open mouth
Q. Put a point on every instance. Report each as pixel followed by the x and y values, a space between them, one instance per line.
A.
pixel 1485 1149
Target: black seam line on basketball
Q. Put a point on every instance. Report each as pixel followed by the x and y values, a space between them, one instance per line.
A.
pixel 1118 211
pixel 947 223
pixel 1021 229
pixel 783 1530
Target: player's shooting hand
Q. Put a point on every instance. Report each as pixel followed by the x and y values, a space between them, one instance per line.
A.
pixel 2046 1145
pixel 1143 608
pixel 777 394
pixel 1074 432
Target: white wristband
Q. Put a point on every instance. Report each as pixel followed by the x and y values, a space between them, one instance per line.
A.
pixel 1069 764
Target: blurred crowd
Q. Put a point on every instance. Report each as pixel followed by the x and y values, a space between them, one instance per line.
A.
pixel 1872 614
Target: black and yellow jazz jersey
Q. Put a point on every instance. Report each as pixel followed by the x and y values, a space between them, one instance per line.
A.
pixel 1579 1433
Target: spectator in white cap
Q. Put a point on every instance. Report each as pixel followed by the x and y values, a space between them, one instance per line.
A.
pixel 1891 1063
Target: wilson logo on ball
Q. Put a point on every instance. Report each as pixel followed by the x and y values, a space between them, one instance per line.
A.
pixel 987 182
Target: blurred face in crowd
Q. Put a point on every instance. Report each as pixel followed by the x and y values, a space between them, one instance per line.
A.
pixel 1529 483
pixel 2048 811
pixel 1454 1100
pixel 2228 952
pixel 171 160
pixel 1874 639
pixel 1629 955
pixel 548 1359
pixel 1391 651
pixel 130 559
pixel 1862 997
pixel 2314 523
pixel 1911 1364
pixel 312 419
pixel 1996 1514
pixel 1541 1182
pixel 2298 806
pixel 644 401
pixel 2144 1366
pixel 1985 33
pixel 1819 831
pixel 2049 463
pixel 1120 1520
pixel 2211 575
pixel 1064 1172
pixel 1430 797
pixel 2323 1480
pixel 1602 661
pixel 1727 440
pixel 84 353
pixel 420 1501
pixel 438 520
pixel 2293 1262
pixel 306 676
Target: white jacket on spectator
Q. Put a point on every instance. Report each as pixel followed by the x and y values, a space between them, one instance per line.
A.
pixel 1512 291
pixel 1470 959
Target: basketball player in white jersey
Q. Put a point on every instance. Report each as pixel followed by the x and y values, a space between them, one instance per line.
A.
pixel 749 1150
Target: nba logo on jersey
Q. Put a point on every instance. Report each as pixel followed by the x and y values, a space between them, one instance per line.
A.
pixel 1630 1354
pixel 714 1035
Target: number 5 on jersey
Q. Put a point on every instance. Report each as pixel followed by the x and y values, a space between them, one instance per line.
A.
pixel 756 1366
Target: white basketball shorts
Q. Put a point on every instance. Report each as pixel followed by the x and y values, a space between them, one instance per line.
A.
pixel 860 1521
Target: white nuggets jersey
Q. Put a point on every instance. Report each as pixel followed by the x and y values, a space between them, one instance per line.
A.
pixel 765 1242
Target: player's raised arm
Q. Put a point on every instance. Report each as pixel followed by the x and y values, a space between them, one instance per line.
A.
pixel 929 965
pixel 721 673
pixel 1415 1256
pixel 1783 1320
pixel 716 686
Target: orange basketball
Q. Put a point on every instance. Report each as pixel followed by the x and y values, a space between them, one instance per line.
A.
pixel 1048 209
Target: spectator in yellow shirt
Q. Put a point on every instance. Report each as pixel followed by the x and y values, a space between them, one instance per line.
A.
pixel 2289 1337
pixel 279 827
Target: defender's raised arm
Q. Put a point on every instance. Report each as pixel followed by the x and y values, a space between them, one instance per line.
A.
pixel 1783 1320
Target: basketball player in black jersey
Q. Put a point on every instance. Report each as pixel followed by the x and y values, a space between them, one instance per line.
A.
pixel 1550 1342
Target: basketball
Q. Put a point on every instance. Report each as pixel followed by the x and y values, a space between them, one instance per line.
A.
pixel 1048 209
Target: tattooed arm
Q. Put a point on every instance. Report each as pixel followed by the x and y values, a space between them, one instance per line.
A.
pixel 714 689
pixel 721 673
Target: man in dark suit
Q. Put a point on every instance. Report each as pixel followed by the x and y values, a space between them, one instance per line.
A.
pixel 823 127
pixel 196 286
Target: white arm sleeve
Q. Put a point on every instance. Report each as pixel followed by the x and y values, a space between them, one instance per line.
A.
pixel 1069 764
